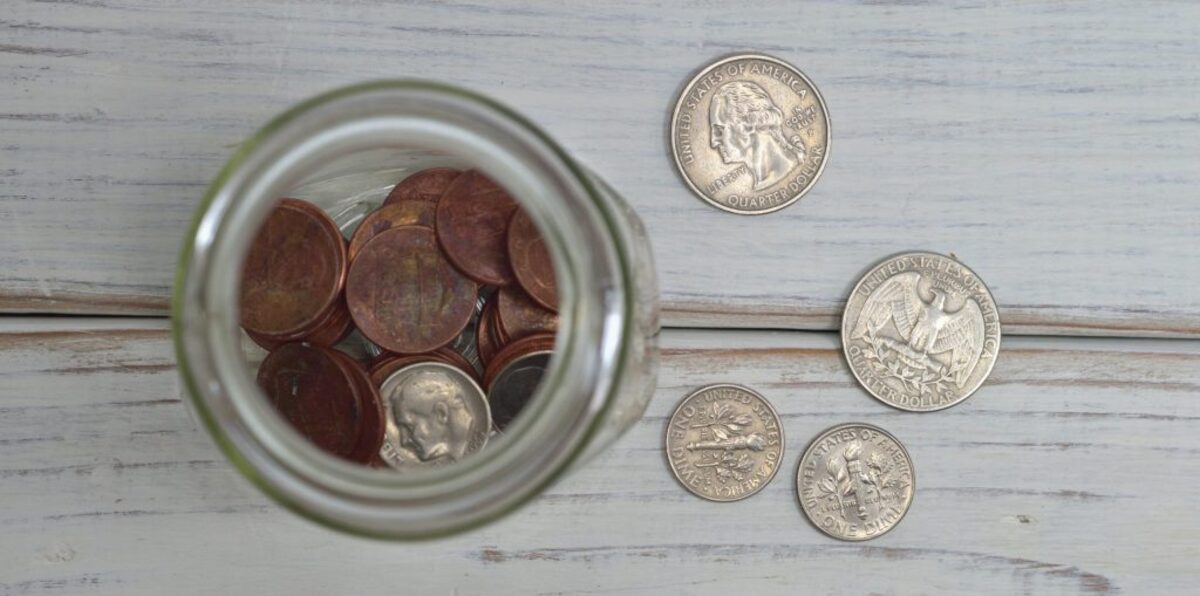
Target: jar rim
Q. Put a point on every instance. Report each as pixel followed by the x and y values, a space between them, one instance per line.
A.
pixel 575 395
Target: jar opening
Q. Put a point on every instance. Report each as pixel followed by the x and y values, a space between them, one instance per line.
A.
pixel 337 149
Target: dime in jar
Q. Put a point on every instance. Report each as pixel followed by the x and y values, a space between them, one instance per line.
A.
pixel 750 134
pixel 724 442
pixel 436 415
pixel 855 482
pixel 541 342
pixel 921 332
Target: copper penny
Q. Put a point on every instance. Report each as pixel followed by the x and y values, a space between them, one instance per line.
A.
pixel 335 326
pixel 308 387
pixel 534 343
pixel 405 296
pixel 517 315
pixel 530 260
pixel 405 213
pixel 373 424
pixel 485 336
pixel 335 329
pixel 426 186
pixel 472 228
pixel 294 272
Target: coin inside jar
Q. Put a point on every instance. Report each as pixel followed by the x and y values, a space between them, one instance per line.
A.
pixel 486 342
pixel 515 384
pixel 436 415
pixel 426 186
pixel 404 213
pixel 404 295
pixel 373 424
pixel 467 342
pixel 472 228
pixel 542 342
pixel 531 262
pixel 331 329
pixel 294 272
pixel 517 315
pixel 309 387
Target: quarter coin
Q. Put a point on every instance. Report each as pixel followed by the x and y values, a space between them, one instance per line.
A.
pixel 436 415
pixel 724 442
pixel 531 260
pixel 518 315
pixel 486 342
pixel 855 482
pixel 750 134
pixel 921 332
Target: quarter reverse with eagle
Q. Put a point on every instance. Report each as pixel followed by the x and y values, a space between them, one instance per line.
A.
pixel 921 331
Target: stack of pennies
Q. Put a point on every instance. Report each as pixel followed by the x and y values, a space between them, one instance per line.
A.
pixel 450 286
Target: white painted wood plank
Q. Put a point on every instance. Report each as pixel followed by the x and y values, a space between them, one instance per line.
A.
pixel 1073 471
pixel 1051 146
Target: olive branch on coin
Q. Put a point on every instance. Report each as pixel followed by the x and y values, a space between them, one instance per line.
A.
pixel 881 469
pixel 836 484
pixel 922 381
pixel 728 433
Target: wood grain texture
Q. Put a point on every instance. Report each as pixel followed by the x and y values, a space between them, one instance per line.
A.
pixel 1073 471
pixel 1051 146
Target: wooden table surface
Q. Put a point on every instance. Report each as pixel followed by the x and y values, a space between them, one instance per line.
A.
pixel 1054 147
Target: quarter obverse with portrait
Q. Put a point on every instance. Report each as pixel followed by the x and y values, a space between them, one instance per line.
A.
pixel 750 134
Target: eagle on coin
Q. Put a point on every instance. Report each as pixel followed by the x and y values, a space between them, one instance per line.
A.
pixel 927 329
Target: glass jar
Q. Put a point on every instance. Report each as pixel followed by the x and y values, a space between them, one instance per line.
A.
pixel 343 151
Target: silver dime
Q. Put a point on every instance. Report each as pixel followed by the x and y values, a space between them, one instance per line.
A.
pixel 921 332
pixel 750 134
pixel 724 442
pixel 855 482
pixel 515 384
pixel 436 415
